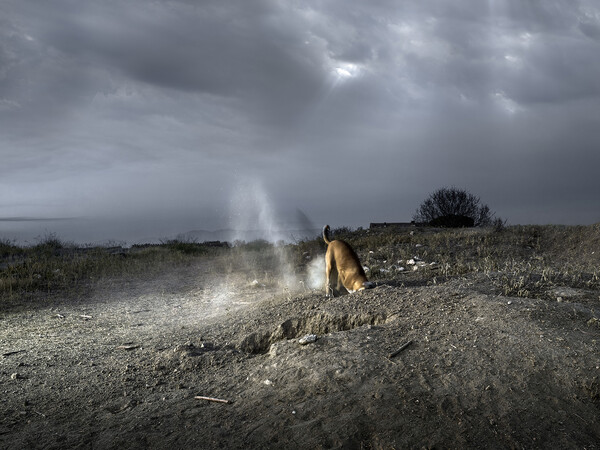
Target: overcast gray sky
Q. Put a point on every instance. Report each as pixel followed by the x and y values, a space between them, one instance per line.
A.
pixel 150 118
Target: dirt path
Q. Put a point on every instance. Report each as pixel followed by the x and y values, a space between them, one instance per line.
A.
pixel 120 366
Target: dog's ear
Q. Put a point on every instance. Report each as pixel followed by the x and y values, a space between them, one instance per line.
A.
pixel 368 285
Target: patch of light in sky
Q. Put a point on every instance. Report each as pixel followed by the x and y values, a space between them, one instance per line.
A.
pixel 347 70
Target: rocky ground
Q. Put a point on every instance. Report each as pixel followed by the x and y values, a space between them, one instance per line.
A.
pixel 120 366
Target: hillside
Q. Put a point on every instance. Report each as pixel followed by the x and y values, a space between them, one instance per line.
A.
pixel 503 334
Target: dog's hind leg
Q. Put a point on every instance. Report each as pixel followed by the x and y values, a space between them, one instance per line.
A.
pixel 330 275
pixel 339 286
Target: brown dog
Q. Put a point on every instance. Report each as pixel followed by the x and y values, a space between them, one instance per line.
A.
pixel 342 267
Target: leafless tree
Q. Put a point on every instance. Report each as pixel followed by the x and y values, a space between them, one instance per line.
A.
pixel 452 207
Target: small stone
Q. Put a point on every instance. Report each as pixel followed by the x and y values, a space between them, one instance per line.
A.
pixel 273 349
pixel 308 339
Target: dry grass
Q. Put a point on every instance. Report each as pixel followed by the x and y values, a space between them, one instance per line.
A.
pixel 523 261
pixel 53 265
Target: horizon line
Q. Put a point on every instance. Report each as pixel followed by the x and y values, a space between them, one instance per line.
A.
pixel 34 219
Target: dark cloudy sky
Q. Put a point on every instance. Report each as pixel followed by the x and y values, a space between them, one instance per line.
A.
pixel 149 117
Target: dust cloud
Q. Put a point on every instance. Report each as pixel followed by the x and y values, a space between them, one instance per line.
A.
pixel 263 267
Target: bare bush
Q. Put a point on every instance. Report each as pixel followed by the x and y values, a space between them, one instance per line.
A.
pixel 454 208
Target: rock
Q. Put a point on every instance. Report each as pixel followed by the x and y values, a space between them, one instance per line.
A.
pixel 308 339
pixel 273 350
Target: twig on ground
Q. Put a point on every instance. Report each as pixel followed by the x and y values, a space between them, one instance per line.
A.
pixel 400 349
pixel 128 347
pixel 15 352
pixel 85 316
pixel 212 399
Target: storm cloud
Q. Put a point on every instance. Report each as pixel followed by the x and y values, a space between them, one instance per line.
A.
pixel 147 117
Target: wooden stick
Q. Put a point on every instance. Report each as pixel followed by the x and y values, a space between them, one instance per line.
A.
pixel 128 347
pixel 400 349
pixel 211 399
pixel 13 353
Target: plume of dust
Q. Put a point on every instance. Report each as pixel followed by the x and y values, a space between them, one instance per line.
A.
pixel 252 213
pixel 253 217
pixel 316 273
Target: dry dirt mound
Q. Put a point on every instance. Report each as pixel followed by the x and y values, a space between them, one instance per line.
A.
pixel 122 369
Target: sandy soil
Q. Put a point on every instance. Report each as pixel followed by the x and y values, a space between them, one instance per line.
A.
pixel 120 366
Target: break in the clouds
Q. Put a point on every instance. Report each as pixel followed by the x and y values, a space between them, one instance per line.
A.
pixel 149 116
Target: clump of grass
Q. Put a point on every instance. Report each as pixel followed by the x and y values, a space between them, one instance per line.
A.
pixel 8 249
pixel 187 248
pixel 51 244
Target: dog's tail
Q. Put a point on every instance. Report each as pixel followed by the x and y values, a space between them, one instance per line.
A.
pixel 326 234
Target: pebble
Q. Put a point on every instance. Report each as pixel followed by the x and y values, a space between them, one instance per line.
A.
pixel 308 339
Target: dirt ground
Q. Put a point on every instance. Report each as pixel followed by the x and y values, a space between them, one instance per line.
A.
pixel 120 365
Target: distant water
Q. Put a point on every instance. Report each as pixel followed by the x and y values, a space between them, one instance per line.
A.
pixel 286 235
pixel 81 231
